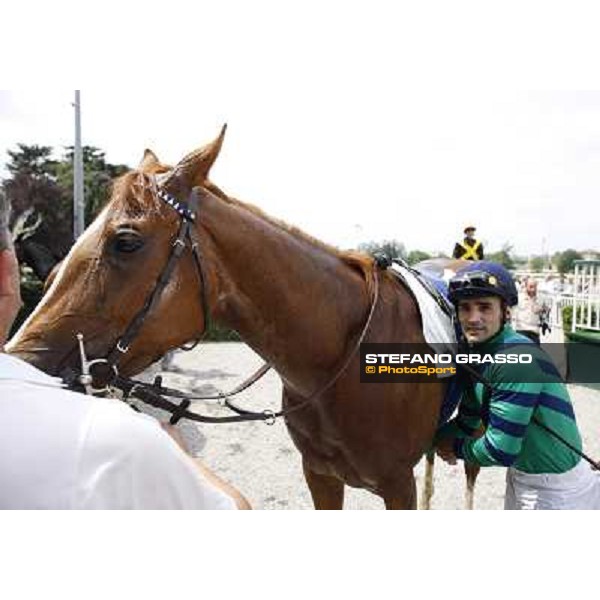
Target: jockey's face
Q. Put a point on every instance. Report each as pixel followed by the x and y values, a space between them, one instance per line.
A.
pixel 480 318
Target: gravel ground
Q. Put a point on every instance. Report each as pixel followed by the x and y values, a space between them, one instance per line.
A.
pixel 261 460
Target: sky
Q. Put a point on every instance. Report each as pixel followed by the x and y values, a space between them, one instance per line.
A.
pixel 359 125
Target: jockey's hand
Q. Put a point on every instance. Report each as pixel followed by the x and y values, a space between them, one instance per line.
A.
pixel 445 450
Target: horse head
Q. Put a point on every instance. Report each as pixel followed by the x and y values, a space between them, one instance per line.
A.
pixel 113 268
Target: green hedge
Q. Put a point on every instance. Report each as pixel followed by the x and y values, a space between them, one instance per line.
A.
pixel 216 333
pixel 567 316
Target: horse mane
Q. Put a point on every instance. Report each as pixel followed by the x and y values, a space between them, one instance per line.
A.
pixel 356 260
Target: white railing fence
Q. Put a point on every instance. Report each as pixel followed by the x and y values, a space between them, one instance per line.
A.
pixel 556 303
pixel 586 293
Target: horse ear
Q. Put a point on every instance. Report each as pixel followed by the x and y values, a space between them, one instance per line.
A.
pixel 195 167
pixel 150 160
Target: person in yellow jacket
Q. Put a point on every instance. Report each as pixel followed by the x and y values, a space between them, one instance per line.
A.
pixel 469 248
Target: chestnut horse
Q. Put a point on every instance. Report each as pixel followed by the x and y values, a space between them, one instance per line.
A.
pixel 299 303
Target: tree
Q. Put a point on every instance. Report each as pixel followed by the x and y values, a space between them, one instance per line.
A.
pixel 416 256
pixel 537 263
pixel 97 177
pixel 40 189
pixel 564 260
pixel 46 185
pixel 33 185
pixel 391 248
pixel 520 262
pixel 503 256
pixel 30 160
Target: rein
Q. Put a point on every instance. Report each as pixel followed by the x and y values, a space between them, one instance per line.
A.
pixel 154 394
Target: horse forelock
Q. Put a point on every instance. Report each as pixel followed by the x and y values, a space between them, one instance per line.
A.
pixel 134 196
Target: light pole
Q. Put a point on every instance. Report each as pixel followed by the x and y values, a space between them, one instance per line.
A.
pixel 78 198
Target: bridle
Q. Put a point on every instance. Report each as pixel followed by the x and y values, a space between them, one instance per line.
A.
pixel 186 235
pixel 155 394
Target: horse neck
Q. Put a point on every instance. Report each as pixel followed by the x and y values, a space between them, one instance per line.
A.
pixel 293 300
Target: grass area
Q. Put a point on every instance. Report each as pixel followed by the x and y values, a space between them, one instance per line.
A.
pixel 583 335
pixel 583 356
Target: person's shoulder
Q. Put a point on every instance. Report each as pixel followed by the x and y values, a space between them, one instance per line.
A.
pixel 512 339
pixel 524 365
pixel 13 369
pixel 514 359
pixel 147 467
pixel 114 423
pixel 46 400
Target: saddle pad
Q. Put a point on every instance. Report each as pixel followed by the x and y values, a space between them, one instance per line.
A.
pixel 438 327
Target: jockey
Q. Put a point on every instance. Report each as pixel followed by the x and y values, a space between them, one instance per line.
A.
pixel 500 428
pixel 469 248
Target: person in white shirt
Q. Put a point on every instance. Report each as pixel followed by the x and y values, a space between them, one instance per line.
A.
pixel 526 315
pixel 63 450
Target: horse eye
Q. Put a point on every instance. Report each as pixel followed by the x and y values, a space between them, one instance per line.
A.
pixel 127 242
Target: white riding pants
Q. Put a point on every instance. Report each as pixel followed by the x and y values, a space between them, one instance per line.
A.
pixel 578 488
